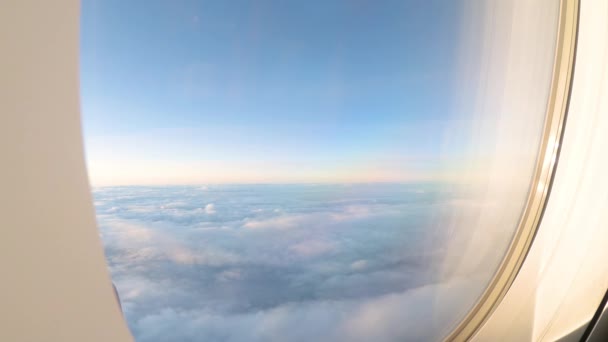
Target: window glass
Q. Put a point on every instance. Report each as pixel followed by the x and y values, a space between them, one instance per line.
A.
pixel 310 170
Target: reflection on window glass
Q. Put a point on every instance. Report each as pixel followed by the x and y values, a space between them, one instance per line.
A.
pixel 310 170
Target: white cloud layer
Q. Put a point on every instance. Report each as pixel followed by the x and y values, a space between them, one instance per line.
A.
pixel 281 263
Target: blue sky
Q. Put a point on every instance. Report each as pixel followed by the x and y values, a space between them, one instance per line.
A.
pixel 263 91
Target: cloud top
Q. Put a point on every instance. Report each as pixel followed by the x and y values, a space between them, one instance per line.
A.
pixel 280 263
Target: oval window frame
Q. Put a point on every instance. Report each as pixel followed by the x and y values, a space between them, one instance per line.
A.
pixel 544 172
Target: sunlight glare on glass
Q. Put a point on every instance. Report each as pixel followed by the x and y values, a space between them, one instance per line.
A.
pixel 310 170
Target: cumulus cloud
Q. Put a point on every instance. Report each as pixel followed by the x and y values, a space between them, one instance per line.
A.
pixel 229 275
pixel 210 208
pixel 280 222
pixel 412 315
pixel 310 248
pixel 359 265
pixel 285 263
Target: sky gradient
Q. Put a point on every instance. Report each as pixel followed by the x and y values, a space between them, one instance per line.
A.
pixel 266 91
pixel 392 95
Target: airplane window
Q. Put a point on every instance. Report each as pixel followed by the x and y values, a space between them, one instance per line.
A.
pixel 311 170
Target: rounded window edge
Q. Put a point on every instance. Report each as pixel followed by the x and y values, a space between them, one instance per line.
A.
pixel 544 171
